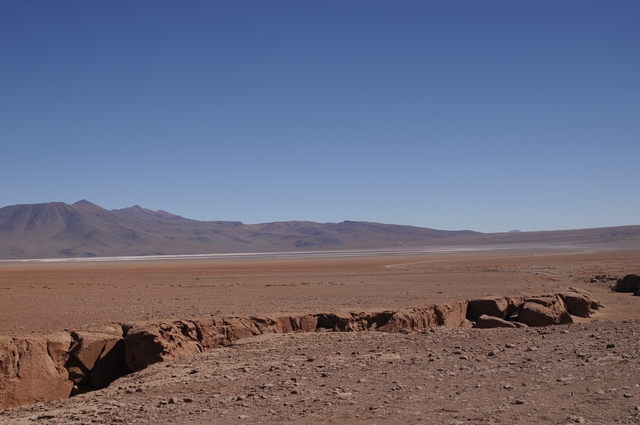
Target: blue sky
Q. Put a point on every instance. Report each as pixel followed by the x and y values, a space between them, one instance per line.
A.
pixel 453 115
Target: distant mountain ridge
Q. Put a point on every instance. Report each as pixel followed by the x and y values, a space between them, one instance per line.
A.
pixel 84 229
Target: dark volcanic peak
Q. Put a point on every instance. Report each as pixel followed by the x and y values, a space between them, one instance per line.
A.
pixel 84 229
pixel 138 210
pixel 27 217
pixel 84 202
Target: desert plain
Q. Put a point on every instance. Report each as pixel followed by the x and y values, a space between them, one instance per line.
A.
pixel 585 372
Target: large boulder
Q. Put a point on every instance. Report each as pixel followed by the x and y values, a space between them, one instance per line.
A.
pixel 580 303
pixel 29 373
pixel 489 306
pixel 629 283
pixel 544 311
pixel 489 322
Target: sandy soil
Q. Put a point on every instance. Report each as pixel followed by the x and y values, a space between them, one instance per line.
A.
pixel 40 298
pixel 583 373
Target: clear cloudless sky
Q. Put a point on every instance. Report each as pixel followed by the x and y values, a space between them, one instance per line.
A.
pixel 482 115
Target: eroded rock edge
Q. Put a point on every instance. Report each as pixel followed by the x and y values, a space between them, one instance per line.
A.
pixel 50 367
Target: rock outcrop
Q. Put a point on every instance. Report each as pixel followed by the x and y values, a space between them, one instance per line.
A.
pixel 148 343
pixel 488 322
pixel 629 283
pixel 97 357
pixel 579 302
pixel 32 369
pixel 36 369
pixel 544 311
pixel 152 342
pixel 489 306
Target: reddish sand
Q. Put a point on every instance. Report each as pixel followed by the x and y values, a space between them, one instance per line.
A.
pixel 44 297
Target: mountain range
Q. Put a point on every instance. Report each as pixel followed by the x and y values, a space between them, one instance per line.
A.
pixel 84 229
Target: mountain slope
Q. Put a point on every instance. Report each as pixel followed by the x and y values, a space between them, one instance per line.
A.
pixel 56 229
pixel 59 230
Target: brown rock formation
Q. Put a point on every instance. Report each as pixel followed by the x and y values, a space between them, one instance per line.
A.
pixel 489 306
pixel 97 357
pixel 579 303
pixel 629 283
pixel 46 368
pixel 29 373
pixel 488 322
pixel 544 311
pixel 148 343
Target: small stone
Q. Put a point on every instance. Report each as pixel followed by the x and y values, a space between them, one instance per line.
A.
pixel 173 400
pixel 611 345
pixel 627 395
pixel 324 375
pixel 577 419
pixel 509 346
pixel 508 387
pixel 243 417
pixel 519 401
pixel 361 380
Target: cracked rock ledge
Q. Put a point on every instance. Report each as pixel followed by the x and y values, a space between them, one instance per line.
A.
pixel 60 365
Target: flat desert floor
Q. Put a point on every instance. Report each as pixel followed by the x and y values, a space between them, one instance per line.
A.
pixel 588 372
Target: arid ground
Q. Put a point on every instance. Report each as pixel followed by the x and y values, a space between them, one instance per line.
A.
pixel 588 372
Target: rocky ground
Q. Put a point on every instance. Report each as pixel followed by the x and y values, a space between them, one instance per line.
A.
pixel 580 373
pixel 587 372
